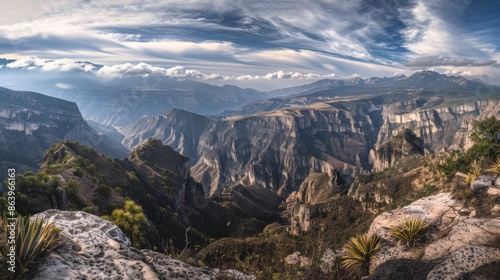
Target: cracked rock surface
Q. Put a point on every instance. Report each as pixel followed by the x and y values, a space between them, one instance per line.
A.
pixel 458 245
pixel 93 248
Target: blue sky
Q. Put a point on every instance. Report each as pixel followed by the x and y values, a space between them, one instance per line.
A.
pixel 260 44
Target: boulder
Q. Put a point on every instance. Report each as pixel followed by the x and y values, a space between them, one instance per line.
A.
pixel 474 231
pixel 494 190
pixel 91 248
pixel 439 210
pixel 482 184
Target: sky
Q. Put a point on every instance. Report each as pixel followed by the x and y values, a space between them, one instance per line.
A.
pixel 259 44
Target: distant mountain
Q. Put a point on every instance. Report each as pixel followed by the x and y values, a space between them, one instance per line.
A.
pixel 31 122
pixel 331 83
pixel 400 88
pixel 121 101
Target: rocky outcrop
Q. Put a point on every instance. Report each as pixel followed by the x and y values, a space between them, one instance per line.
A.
pixel 316 189
pixel 399 146
pixel 93 248
pixel 457 244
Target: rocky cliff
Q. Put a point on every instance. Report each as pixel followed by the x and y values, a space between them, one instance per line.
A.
pixel 30 123
pixel 441 127
pixel 399 146
pixel 277 150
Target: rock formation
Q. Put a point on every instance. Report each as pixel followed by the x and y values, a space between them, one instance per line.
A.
pixel 458 241
pixel 279 149
pixel 276 150
pixel 93 248
pixel 399 146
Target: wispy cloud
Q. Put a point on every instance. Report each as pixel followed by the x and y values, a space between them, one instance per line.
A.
pixel 125 70
pixel 221 39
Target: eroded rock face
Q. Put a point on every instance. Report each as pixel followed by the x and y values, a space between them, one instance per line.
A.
pixel 400 146
pixel 317 188
pixel 93 248
pixel 277 150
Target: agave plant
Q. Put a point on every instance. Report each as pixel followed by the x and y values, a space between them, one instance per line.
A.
pixel 472 176
pixel 360 251
pixel 410 231
pixel 33 238
pixel 496 166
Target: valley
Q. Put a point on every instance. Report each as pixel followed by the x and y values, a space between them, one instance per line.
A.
pixel 248 188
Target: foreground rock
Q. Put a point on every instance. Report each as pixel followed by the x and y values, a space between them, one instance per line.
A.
pixel 458 244
pixel 93 248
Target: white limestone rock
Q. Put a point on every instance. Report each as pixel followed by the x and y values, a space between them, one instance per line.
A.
pixel 472 231
pixel 93 248
pixel 463 261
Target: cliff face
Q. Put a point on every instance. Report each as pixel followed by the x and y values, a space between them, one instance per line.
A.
pixel 441 128
pixel 277 150
pixel 31 122
pixel 400 146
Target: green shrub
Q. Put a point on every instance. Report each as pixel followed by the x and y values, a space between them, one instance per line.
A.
pixel 103 191
pixel 91 169
pixel 484 136
pixel 88 209
pixel 33 238
pixel 78 172
pixel 360 251
pixel 131 220
pixel 410 231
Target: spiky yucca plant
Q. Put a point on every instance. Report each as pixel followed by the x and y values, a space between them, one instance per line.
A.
pixel 496 166
pixel 360 251
pixel 472 176
pixel 33 238
pixel 409 231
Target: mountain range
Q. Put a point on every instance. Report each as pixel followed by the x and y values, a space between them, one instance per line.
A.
pixel 261 180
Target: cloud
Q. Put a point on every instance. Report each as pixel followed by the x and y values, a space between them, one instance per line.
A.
pixel 430 61
pixel 281 75
pixel 433 29
pixel 64 86
pixel 250 40
pixel 64 65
